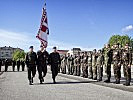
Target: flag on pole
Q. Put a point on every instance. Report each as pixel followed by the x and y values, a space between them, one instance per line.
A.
pixel 43 30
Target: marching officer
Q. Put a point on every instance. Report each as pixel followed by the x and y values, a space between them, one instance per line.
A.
pixel 81 62
pixel 117 63
pixel 42 57
pixel 127 61
pixel 54 61
pixel 78 64
pixel 31 61
pixel 64 64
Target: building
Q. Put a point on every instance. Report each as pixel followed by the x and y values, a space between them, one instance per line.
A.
pixel 7 52
pixel 62 52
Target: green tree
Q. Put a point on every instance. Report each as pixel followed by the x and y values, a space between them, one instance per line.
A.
pixel 122 40
pixel 18 55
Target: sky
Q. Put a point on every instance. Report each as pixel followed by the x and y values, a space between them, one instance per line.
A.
pixel 87 24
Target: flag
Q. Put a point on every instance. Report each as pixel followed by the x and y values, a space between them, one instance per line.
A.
pixel 43 30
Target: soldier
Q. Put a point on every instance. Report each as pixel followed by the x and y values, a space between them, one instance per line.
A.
pixel 94 67
pixel 18 65
pixel 31 61
pixel 85 65
pixel 6 65
pixel 82 63
pixel 127 61
pixel 0 64
pixel 71 65
pixel 42 58
pixel 13 65
pixel 90 65
pixel 68 63
pixel 107 62
pixel 23 65
pixel 64 64
pixel 117 63
pixel 54 61
pixel 75 65
pixel 78 64
pixel 100 60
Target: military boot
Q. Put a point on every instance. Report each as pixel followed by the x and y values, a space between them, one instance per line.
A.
pixel 30 82
pixel 117 81
pixel 127 83
pixel 107 80
pixel 54 80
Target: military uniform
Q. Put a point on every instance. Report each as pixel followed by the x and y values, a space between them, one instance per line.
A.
pixel 107 62
pixel 0 64
pixel 82 63
pixel 18 65
pixel 54 61
pixel 127 61
pixel 68 64
pixel 78 65
pixel 64 64
pixel 117 64
pixel 23 65
pixel 31 61
pixel 90 66
pixel 71 65
pixel 99 65
pixel 6 65
pixel 94 66
pixel 85 66
pixel 75 65
pixel 42 58
pixel 13 65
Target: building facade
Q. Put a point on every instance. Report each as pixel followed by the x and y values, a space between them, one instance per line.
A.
pixel 7 52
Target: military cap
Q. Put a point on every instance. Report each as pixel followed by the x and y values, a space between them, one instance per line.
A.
pixel 54 47
pixel 31 47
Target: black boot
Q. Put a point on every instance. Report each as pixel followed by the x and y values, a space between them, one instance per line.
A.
pixel 54 80
pixel 107 80
pixel 127 83
pixel 117 81
pixel 30 82
pixel 32 79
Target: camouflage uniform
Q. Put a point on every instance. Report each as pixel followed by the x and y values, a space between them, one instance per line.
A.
pixel 78 65
pixel 127 61
pixel 71 65
pixel 64 63
pixel 107 62
pixel 90 66
pixel 75 65
pixel 82 63
pixel 94 66
pixel 117 64
pixel 99 64
pixel 68 64
pixel 85 66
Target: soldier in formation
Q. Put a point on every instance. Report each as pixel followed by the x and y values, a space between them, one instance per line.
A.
pixel 127 61
pixel 0 64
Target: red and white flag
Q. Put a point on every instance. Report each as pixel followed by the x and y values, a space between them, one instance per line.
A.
pixel 43 30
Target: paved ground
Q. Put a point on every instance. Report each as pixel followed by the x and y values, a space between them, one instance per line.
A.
pixel 14 86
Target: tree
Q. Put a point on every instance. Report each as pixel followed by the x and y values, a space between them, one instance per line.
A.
pixel 18 55
pixel 122 40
